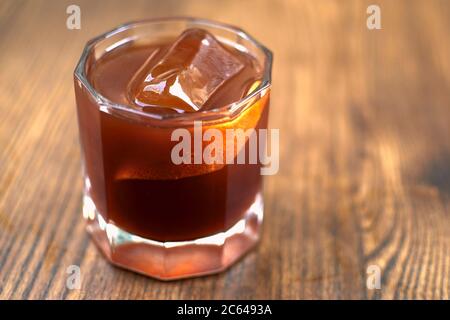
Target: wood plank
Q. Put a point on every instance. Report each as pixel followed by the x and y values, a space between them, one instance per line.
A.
pixel 365 153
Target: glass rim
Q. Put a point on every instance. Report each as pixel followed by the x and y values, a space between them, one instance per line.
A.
pixel 229 110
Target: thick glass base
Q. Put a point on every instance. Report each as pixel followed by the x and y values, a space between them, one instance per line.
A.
pixel 175 260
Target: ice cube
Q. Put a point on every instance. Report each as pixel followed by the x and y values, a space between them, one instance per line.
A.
pixel 185 76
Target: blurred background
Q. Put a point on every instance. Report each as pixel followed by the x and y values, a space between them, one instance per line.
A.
pixel 364 174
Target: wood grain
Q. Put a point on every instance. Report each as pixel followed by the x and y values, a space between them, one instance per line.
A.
pixel 365 152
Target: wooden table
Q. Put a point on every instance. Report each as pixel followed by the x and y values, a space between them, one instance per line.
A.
pixel 365 153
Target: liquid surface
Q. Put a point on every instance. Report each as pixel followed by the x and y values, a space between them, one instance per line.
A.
pixel 194 72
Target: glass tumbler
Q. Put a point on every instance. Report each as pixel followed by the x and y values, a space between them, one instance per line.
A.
pixel 146 213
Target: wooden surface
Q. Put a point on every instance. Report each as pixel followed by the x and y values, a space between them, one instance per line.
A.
pixel 365 152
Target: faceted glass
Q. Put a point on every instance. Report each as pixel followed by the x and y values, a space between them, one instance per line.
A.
pixel 145 212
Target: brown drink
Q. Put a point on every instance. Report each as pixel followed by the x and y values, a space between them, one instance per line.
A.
pixel 147 213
